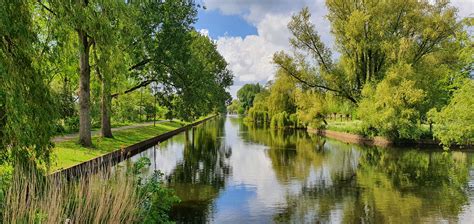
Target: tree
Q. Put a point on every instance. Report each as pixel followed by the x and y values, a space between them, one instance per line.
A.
pixel 79 16
pixel 369 45
pixel 234 107
pixel 455 122
pixel 190 75
pixel 282 97
pixel 390 108
pixel 247 93
pixel 419 50
pixel 26 106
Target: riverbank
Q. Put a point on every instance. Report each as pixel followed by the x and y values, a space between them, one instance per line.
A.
pixel 69 153
pixel 378 140
pixel 71 156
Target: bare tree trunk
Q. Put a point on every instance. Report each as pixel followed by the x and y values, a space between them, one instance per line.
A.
pixel 105 106
pixel 84 91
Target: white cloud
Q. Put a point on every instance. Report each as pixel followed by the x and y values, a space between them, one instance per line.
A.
pixel 250 58
pixel 465 7
pixel 204 32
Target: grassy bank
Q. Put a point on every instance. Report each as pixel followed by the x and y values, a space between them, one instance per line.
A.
pixel 69 153
pixel 355 127
pixel 352 127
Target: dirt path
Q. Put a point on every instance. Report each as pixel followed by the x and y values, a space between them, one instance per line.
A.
pixel 68 137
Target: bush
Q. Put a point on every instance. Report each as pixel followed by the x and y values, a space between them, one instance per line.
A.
pixel 71 124
pixel 455 122
pixel 257 116
pixel 391 108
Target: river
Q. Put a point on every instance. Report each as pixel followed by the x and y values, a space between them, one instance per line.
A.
pixel 225 171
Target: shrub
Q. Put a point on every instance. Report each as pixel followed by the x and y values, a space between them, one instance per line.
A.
pixel 455 122
pixel 71 124
pixel 391 108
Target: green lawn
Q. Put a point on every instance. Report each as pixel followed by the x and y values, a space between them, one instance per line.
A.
pixel 69 153
pixel 352 127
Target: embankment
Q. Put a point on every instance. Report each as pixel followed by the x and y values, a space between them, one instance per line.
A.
pixel 119 155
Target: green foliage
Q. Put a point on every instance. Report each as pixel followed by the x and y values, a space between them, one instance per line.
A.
pixel 247 94
pixel 157 199
pixel 281 97
pixel 26 106
pixel 280 120
pixel 391 107
pixel 392 72
pixel 311 108
pixel 235 107
pixel 455 122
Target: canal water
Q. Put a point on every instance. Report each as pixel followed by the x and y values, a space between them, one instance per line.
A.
pixel 225 171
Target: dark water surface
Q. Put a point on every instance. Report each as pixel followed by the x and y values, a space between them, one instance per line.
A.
pixel 227 172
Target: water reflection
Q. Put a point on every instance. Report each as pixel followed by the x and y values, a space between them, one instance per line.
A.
pixel 227 171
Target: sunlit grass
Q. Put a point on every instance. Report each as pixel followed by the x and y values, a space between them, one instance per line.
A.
pixel 69 153
pixel 353 127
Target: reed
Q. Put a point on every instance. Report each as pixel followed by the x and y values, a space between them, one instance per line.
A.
pixel 103 197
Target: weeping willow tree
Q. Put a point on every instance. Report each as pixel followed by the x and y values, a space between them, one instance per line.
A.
pixel 398 59
pixel 26 105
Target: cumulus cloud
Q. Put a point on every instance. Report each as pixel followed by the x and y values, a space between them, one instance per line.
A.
pixel 250 57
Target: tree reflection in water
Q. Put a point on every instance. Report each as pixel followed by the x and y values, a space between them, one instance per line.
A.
pixel 198 178
pixel 291 176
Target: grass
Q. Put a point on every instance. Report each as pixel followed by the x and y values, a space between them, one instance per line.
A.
pixel 100 198
pixel 69 153
pixel 353 127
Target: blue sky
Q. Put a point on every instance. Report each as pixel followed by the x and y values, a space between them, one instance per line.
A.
pixel 249 32
pixel 220 25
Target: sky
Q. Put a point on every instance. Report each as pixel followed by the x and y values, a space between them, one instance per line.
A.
pixel 249 32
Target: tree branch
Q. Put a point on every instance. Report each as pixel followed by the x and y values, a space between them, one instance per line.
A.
pixel 140 85
pixel 47 8
pixel 313 85
pixel 139 64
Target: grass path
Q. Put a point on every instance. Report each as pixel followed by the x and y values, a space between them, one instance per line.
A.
pixel 67 152
pixel 62 138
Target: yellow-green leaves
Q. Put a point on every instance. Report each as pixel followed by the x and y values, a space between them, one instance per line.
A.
pixel 455 122
pixel 391 108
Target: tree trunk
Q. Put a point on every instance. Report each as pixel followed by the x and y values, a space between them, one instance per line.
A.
pixel 84 91
pixel 3 121
pixel 105 105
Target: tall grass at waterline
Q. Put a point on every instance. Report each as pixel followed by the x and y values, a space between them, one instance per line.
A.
pixel 104 197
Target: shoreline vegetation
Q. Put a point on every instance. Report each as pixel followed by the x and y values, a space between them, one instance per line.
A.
pixel 412 83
